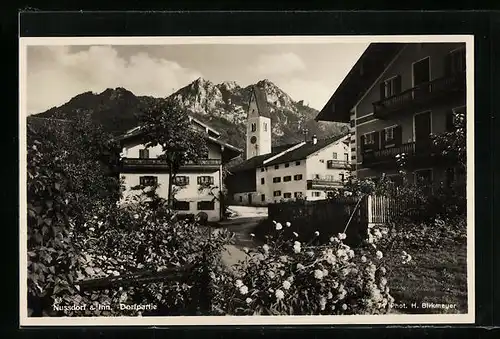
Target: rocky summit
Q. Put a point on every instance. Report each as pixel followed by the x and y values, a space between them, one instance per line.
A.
pixel 223 106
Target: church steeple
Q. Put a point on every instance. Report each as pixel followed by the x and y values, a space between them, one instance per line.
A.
pixel 258 124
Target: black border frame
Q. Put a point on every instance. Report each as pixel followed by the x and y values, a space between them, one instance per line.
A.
pixel 485 26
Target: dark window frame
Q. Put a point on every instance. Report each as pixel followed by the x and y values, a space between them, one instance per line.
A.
pixel 201 207
pixel 144 180
pixel 201 180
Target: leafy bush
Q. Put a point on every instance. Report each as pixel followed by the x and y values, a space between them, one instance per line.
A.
pixel 137 238
pixel 67 173
pixel 76 230
pixel 291 278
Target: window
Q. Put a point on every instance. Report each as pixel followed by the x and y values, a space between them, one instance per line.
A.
pixel 265 127
pixel 297 177
pixel 254 127
pixel 334 155
pixel 263 197
pixel 277 193
pixel 346 157
pixel 262 181
pixel 455 61
pixel 287 178
pixel 205 180
pixel 276 166
pixel 241 198
pixel 144 153
pixel 297 194
pixel 329 177
pixel 297 163
pixel 316 194
pixel 276 179
pixel 389 133
pixel 341 176
pixel 148 180
pixel 353 157
pixel 287 164
pixel 181 180
pixel 287 195
pixel 181 205
pixel 370 138
pixel 390 87
pixel 206 205
pixel 262 169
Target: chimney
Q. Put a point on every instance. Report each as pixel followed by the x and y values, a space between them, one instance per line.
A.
pixel 314 140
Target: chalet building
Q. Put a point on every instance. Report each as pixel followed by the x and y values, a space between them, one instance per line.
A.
pixel 306 170
pixel 395 97
pixel 197 186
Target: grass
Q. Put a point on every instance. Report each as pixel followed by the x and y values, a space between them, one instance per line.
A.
pixel 436 274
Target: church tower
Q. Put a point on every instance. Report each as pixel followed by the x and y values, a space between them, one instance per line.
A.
pixel 258 124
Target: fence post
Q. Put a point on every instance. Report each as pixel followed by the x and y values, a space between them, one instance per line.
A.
pixel 370 213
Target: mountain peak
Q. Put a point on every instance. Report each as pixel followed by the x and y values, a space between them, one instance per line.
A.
pixel 229 85
pixel 266 83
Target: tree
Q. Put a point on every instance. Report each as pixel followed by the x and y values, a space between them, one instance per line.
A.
pixel 164 124
pixel 453 143
pixel 69 179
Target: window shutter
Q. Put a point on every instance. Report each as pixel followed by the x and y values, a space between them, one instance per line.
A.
pixel 398 135
pixel 449 121
pixel 382 90
pixel 397 84
pixel 377 140
pixel 447 65
pixel 382 138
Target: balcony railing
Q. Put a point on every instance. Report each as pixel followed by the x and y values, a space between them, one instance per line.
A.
pixel 389 154
pixel 161 163
pixel 331 164
pixel 421 94
pixel 324 183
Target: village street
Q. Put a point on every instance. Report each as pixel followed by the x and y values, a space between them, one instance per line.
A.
pixel 242 224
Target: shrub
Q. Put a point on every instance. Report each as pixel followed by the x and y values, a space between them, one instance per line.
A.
pixel 136 238
pixel 291 278
pixel 68 177
pixel 77 231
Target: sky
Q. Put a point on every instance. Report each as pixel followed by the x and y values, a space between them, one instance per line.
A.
pixel 309 72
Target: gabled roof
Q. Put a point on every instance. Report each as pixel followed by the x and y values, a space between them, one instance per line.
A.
pixel 136 130
pixel 261 100
pixel 363 74
pixel 301 152
pixel 230 151
pixel 281 148
pixel 252 163
pixel 305 150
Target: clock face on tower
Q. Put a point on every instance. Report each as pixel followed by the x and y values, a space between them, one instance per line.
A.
pixel 253 139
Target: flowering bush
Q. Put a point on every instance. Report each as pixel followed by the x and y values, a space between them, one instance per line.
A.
pixel 285 277
pixel 77 231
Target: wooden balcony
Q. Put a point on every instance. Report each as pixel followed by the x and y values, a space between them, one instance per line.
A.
pixel 324 184
pixel 423 153
pixel 422 96
pixel 160 164
pixel 338 164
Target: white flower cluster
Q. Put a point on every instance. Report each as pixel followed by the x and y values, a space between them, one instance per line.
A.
pixel 297 247
pixel 406 257
pixel 243 288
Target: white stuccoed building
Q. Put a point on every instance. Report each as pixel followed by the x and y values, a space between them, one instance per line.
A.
pixel 141 166
pixel 309 169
